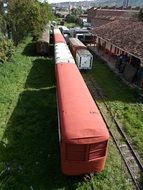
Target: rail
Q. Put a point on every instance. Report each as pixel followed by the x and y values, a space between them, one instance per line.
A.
pixel 130 157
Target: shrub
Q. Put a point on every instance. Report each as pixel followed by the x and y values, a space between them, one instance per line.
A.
pixel 6 48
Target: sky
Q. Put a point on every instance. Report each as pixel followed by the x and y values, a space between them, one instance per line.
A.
pixel 58 1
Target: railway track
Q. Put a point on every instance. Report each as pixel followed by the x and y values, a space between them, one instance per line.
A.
pixel 130 157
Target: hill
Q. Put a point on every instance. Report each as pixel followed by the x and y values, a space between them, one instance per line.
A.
pixel 119 3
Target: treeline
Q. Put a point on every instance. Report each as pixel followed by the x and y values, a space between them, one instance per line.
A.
pixel 23 18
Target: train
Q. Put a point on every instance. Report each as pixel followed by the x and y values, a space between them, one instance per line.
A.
pixel 84 35
pixel 43 43
pixel 83 58
pixel 86 38
pixel 83 133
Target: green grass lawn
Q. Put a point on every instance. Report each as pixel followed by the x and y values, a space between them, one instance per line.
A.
pixel 123 101
pixel 29 148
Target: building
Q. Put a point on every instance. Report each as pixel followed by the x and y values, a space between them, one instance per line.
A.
pixel 126 35
pixel 98 17
pixel 123 38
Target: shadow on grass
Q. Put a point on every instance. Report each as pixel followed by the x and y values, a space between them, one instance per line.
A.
pixel 30 157
pixel 42 74
pixel 30 49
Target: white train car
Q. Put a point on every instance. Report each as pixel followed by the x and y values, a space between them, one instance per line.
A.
pixel 84 59
pixel 82 56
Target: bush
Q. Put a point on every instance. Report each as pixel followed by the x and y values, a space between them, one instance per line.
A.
pixel 6 48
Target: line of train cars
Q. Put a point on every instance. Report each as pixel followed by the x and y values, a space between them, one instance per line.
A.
pixel 83 134
pixel 83 58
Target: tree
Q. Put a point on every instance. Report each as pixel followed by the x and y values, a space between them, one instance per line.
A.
pixel 140 15
pixel 2 24
pixel 27 17
pixel 76 11
pixel 71 18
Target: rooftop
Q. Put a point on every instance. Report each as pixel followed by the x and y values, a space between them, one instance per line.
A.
pixel 125 34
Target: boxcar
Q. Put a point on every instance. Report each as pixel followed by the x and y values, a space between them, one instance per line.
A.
pixel 82 56
pixel 42 45
pixel 84 59
pixel 86 38
pixel 75 44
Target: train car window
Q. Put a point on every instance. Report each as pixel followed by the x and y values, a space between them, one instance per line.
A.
pixel 75 152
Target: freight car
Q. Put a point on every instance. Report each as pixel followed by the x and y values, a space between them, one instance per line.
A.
pixel 76 31
pixel 84 59
pixel 82 56
pixel 42 45
pixel 86 38
pixel 83 133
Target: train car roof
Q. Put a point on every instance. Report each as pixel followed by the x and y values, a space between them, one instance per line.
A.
pixel 81 120
pixel 57 30
pixel 58 37
pixel 84 52
pixel 76 42
pixel 63 54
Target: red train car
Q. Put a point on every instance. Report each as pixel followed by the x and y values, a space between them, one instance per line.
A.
pixel 82 130
pixel 84 136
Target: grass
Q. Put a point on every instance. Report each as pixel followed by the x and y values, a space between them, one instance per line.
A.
pixel 71 25
pixel 29 147
pixel 123 101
